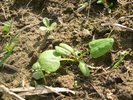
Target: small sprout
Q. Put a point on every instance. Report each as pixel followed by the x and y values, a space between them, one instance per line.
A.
pixel 100 47
pixel 9 49
pixel 48 26
pixel 46 22
pixel 107 5
pixel 84 69
pixel 122 56
pixel 7 26
pixel 9 46
pixel 75 84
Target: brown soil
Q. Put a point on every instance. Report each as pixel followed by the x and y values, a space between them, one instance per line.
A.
pixel 76 29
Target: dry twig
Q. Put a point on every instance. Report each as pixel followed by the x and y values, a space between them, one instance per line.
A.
pixel 6 90
pixel 27 91
pixel 40 90
pixel 117 25
pixel 98 90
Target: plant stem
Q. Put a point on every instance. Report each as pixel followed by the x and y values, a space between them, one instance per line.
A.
pixel 83 54
pixel 43 42
pixel 4 58
pixel 44 77
pixel 120 60
pixel 68 59
pixel 109 35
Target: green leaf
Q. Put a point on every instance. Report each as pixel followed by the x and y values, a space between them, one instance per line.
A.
pixel 7 26
pixel 100 2
pixel 38 75
pixel 43 28
pixel 67 47
pixel 46 22
pixel 49 61
pixel 84 69
pixel 36 66
pixel 100 47
pixel 5 57
pixel 52 26
pixel 10 46
pixel 62 51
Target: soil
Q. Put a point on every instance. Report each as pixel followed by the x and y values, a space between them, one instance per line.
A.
pixel 75 28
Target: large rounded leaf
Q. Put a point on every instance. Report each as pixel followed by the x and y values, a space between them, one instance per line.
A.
pixel 49 61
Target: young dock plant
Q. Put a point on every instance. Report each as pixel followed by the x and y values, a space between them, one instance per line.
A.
pixel 49 60
pixel 47 28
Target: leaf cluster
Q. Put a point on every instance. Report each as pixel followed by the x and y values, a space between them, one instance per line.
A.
pixel 48 26
pixel 49 60
pixel 9 46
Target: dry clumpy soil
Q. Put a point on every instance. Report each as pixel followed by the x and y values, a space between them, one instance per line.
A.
pixel 75 28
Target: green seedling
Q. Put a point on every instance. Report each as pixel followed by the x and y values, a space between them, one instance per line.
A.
pixel 7 26
pixel 106 5
pixel 48 26
pixel 121 58
pixel 8 49
pixel 49 60
pixel 6 29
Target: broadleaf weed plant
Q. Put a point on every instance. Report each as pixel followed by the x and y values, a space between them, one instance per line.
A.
pixel 49 60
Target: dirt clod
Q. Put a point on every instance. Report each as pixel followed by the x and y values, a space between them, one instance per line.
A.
pixel 66 81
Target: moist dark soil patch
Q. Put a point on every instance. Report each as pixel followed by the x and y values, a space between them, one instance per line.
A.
pixel 76 29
